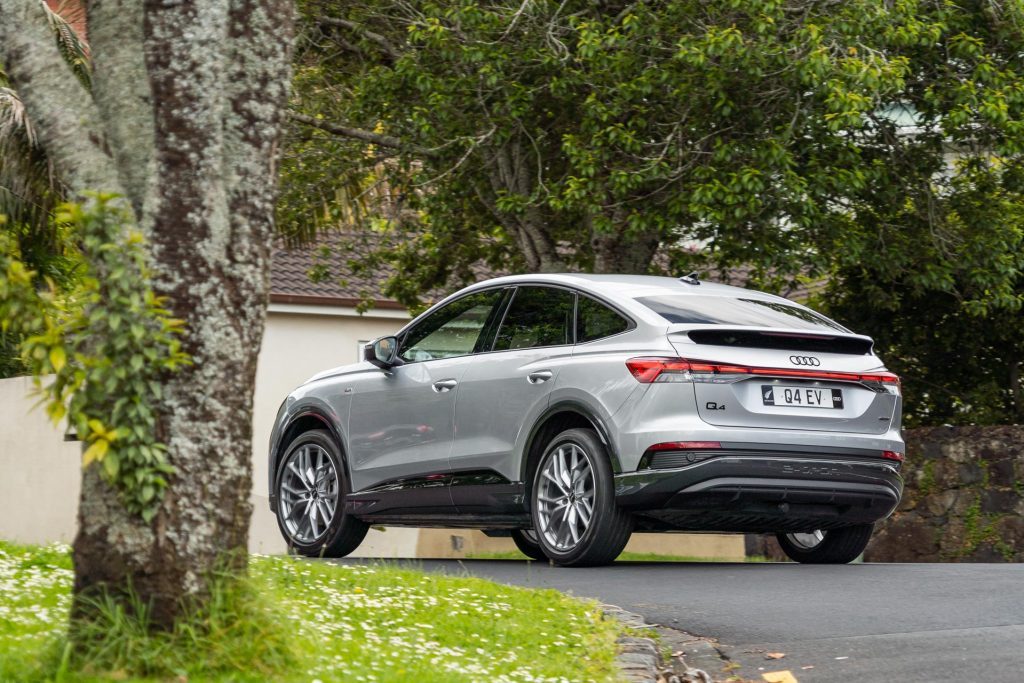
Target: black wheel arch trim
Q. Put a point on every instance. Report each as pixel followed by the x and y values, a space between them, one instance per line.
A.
pixel 575 406
pixel 282 444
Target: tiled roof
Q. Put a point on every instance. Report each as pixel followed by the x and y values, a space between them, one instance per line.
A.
pixel 326 272
pixel 323 273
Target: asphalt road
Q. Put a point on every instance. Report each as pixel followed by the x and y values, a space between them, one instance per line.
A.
pixel 863 622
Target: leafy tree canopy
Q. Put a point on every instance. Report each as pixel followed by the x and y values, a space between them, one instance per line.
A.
pixel 874 143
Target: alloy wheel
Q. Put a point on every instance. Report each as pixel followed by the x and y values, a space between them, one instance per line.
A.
pixel 308 494
pixel 565 497
pixel 807 541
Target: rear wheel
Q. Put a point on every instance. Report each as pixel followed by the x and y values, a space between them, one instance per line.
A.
pixel 526 541
pixel 573 505
pixel 835 546
pixel 311 490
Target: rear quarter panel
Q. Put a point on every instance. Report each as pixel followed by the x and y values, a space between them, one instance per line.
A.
pixel 596 377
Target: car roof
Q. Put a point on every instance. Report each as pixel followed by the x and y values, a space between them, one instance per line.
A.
pixel 629 286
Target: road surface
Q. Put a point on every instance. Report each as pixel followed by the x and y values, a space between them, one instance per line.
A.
pixel 863 622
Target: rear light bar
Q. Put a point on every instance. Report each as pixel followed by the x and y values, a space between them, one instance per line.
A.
pixel 650 369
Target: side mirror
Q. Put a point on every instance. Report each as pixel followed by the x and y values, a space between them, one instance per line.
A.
pixel 382 352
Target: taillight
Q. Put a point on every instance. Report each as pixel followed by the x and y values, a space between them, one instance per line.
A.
pixel 892 455
pixel 649 369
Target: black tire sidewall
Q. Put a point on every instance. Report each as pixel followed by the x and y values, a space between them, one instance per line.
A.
pixel 604 492
pixel 839 546
pixel 320 438
pixel 527 547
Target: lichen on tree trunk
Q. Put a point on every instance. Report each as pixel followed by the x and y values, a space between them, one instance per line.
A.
pixel 193 150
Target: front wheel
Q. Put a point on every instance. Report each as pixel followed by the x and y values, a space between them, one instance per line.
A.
pixel 573 505
pixel 311 499
pixel 835 546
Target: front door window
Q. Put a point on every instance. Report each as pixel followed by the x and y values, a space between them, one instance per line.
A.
pixel 451 331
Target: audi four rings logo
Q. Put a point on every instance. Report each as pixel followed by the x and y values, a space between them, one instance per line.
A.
pixel 805 360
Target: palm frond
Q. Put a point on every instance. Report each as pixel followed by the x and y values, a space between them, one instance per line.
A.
pixel 13 119
pixel 29 187
pixel 72 47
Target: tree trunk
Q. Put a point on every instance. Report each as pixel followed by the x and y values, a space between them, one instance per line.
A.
pixel 185 122
pixel 620 252
pixel 510 172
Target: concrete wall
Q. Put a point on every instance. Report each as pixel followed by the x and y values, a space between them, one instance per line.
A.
pixel 39 476
pixel 460 543
pixel 39 472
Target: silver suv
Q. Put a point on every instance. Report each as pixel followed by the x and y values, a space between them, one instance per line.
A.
pixel 570 410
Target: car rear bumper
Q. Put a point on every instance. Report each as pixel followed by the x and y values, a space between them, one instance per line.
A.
pixel 758 489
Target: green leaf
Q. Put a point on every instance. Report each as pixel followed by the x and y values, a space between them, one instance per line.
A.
pixel 95 452
pixel 58 358
pixel 110 464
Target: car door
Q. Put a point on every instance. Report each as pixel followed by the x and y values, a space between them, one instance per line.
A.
pixel 401 420
pixel 506 388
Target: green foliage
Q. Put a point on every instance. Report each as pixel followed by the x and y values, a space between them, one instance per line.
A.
pixel 942 296
pixel 980 528
pixel 106 344
pixel 874 143
pixel 29 188
pixel 734 125
pixel 30 191
pixel 926 483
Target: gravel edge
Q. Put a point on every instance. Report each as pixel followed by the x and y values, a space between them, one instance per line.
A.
pixel 639 659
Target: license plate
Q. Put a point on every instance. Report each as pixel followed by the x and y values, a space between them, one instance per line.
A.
pixel 801 397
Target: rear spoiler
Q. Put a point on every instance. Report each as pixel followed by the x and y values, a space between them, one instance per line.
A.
pixel 787 339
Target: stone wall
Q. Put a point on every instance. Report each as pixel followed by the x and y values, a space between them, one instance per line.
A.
pixel 964 500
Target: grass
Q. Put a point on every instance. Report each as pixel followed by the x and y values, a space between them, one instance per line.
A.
pixel 624 557
pixel 296 620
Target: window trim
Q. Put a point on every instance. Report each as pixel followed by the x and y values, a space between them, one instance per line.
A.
pixel 494 322
pixel 502 307
pixel 404 333
pixel 630 322
pixel 516 287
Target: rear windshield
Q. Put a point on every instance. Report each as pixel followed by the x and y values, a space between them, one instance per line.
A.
pixel 721 310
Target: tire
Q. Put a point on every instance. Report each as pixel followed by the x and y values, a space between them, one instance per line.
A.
pixel 302 523
pixel 526 541
pixel 836 546
pixel 566 537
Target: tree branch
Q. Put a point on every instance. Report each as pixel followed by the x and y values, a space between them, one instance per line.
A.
pixel 66 119
pixel 120 89
pixel 383 43
pixel 360 134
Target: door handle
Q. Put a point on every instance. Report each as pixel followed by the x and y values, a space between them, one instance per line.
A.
pixel 539 377
pixel 443 385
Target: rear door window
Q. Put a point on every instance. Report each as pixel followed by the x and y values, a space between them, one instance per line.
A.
pixel 537 316
pixel 742 312
pixel 594 320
